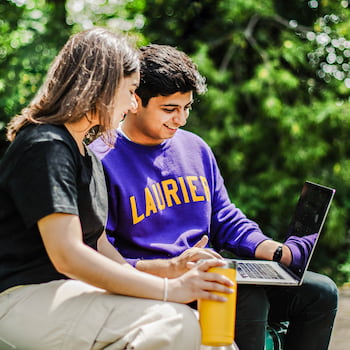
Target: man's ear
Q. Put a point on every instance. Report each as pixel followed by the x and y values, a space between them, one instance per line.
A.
pixel 136 105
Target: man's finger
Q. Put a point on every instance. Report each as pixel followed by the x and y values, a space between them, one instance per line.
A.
pixel 202 242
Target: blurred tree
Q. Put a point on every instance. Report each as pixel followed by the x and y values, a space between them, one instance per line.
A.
pixel 31 33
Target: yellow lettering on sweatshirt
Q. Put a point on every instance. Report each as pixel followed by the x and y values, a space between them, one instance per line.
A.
pixel 159 196
pixel 149 201
pixel 166 193
pixel 170 191
pixel 193 189
pixel 205 187
pixel 135 217
pixel 184 189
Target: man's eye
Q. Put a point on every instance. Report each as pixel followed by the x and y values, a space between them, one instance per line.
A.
pixel 168 110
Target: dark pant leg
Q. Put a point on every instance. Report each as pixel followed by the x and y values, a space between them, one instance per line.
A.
pixel 251 317
pixel 310 310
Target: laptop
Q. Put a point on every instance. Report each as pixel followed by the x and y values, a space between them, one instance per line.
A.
pixel 306 224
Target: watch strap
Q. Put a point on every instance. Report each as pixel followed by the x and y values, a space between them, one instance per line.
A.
pixel 277 255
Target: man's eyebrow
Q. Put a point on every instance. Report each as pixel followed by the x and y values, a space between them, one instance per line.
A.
pixel 176 105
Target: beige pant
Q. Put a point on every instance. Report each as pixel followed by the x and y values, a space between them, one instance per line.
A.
pixel 72 315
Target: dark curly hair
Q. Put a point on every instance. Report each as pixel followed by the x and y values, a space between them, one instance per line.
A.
pixel 166 70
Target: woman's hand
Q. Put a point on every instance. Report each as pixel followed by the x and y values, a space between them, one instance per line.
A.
pixel 179 264
pixel 199 284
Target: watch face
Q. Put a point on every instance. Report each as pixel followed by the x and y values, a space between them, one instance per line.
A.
pixel 278 254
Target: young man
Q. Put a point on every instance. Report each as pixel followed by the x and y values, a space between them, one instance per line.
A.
pixel 167 199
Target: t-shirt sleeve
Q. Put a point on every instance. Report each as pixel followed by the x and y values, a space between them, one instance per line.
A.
pixel 47 183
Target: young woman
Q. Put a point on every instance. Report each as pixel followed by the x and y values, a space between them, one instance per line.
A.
pixel 62 284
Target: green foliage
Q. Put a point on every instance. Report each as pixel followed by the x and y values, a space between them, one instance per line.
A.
pixel 27 50
pixel 277 107
pixel 123 16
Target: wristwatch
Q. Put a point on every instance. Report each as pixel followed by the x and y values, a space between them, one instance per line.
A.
pixel 277 255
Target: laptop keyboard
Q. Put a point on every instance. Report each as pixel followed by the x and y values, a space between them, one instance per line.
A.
pixel 252 270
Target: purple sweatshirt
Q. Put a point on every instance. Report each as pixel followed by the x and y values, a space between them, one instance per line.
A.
pixel 164 198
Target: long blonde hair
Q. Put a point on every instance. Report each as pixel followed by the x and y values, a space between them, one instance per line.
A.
pixel 83 79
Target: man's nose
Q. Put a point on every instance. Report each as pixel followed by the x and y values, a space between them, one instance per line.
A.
pixel 181 117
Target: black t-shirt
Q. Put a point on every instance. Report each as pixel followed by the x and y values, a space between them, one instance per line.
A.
pixel 42 173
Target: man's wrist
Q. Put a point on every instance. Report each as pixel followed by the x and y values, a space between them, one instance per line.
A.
pixel 266 250
pixel 174 269
pixel 277 255
pixel 287 256
pixel 159 267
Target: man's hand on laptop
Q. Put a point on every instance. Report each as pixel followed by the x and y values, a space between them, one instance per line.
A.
pixel 266 250
pixel 178 265
pixel 192 255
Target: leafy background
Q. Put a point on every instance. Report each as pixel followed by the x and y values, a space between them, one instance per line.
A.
pixel 277 108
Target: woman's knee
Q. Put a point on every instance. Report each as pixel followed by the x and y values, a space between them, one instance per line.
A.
pixel 181 324
pixel 188 320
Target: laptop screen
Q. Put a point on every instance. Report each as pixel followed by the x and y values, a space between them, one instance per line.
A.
pixel 308 219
